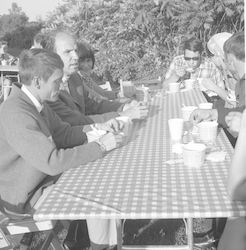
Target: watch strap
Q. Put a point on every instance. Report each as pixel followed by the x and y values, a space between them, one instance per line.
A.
pixel 101 145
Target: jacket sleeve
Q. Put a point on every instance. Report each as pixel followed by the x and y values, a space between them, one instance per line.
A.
pixel 99 106
pixel 28 137
pixel 69 115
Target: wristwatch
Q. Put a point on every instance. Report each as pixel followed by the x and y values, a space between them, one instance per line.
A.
pixel 101 145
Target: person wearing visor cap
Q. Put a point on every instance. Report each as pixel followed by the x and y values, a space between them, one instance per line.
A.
pixel 193 62
pixel 215 47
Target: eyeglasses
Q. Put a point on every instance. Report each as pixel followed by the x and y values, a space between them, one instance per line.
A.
pixel 197 58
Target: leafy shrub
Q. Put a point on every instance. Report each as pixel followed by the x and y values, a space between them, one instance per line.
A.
pixel 137 39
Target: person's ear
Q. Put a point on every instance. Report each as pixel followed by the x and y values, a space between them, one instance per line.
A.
pixel 230 59
pixel 37 82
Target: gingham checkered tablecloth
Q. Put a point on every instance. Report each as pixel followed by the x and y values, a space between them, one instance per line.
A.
pixel 135 182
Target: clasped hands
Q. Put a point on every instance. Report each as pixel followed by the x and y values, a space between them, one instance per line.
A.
pixel 135 110
pixel 114 137
pixel 233 119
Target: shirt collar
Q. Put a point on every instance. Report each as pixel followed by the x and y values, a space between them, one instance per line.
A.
pixel 83 76
pixel 64 83
pixel 36 103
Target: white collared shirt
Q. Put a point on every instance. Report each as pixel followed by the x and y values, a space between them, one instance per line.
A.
pixel 36 103
pixel 64 84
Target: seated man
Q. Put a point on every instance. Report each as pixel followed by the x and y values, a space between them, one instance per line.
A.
pixel 75 104
pixel 36 146
pixel 192 64
pixel 234 234
pixel 216 55
pixel 234 49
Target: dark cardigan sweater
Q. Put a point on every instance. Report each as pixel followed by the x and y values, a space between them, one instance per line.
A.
pixel 35 148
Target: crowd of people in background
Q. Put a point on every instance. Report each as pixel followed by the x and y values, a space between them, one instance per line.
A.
pixel 58 97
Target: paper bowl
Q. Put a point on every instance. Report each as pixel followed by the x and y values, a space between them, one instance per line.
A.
pixel 207 131
pixel 193 155
pixel 189 83
pixel 186 112
pixel 174 87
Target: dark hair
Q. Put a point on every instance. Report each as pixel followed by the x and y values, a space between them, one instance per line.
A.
pixel 193 44
pixel 235 45
pixel 38 37
pixel 38 62
pixel 85 52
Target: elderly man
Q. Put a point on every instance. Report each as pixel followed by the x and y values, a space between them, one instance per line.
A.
pixel 75 104
pixel 234 49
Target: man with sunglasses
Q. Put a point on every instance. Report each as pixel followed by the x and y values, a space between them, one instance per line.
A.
pixel 192 64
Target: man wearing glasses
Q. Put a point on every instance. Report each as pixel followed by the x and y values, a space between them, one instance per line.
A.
pixel 192 64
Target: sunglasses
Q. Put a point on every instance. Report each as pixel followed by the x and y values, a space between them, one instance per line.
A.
pixel 197 58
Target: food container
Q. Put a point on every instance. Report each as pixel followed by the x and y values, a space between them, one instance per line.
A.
pixel 207 131
pixel 193 154
pixel 186 112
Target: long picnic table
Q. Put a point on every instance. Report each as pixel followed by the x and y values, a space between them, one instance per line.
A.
pixel 136 181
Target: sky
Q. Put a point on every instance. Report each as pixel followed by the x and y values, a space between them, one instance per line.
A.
pixel 32 8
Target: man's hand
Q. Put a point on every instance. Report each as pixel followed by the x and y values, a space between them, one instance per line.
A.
pixel 127 95
pixel 112 125
pixel 180 72
pixel 130 105
pixel 135 110
pixel 233 121
pixel 199 115
pixel 111 140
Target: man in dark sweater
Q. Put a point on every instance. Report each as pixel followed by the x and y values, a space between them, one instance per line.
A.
pixel 75 104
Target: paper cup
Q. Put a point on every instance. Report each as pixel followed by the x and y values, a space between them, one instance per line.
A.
pixel 206 105
pixel 176 126
pixel 174 87
pixel 126 121
pixel 193 155
pixel 186 112
pixel 95 135
pixel 189 83
pixel 207 131
pixel 4 63
pixel 127 86
pixel 140 95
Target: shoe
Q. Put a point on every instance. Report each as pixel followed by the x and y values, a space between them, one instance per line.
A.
pixel 208 240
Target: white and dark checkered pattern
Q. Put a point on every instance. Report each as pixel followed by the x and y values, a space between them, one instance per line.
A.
pixel 135 182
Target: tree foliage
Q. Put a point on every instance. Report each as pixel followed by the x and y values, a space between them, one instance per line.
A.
pixel 14 20
pixel 137 39
pixel 16 30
